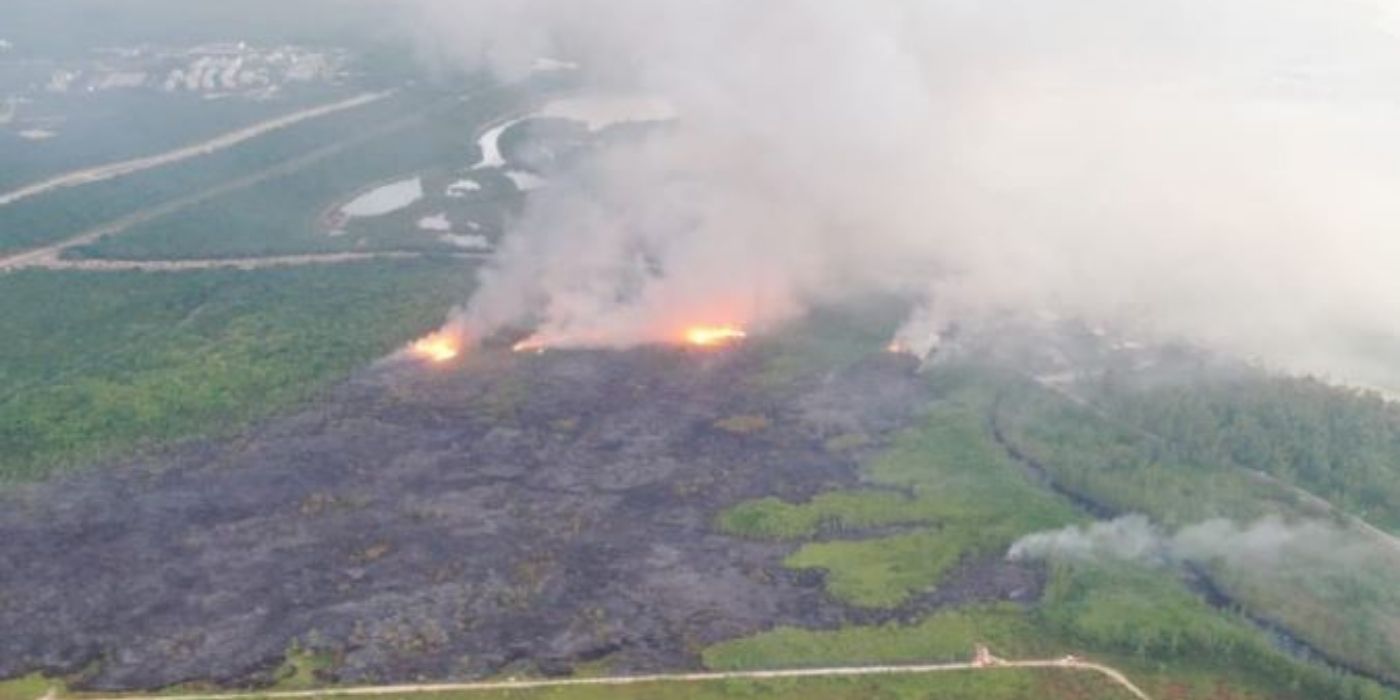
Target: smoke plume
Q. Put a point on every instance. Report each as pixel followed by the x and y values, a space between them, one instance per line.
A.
pixel 1264 543
pixel 1221 172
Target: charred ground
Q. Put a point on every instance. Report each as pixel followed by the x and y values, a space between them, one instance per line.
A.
pixel 422 522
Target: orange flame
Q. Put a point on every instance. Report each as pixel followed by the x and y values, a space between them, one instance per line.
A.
pixel 437 347
pixel 698 336
pixel 710 336
pixel 533 344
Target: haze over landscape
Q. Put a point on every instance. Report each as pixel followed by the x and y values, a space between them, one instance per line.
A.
pixel 666 348
pixel 1168 168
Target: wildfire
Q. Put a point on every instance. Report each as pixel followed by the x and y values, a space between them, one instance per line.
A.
pixel 532 344
pixel 697 336
pixel 710 336
pixel 439 347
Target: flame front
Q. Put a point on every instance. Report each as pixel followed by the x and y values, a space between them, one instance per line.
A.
pixel 709 336
pixel 698 336
pixel 437 347
pixel 533 344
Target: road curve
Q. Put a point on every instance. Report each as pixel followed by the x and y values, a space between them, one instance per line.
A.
pixel 218 143
pixel 701 677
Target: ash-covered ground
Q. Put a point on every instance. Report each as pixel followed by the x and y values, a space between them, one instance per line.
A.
pixel 448 522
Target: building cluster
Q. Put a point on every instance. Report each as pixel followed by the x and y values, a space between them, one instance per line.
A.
pixel 228 69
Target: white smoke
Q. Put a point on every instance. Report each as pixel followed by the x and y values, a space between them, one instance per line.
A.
pixel 1219 171
pixel 1264 543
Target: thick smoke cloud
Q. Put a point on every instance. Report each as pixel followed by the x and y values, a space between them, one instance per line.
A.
pixel 1264 543
pixel 1224 172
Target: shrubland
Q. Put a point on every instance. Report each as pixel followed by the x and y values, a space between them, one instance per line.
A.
pixel 95 365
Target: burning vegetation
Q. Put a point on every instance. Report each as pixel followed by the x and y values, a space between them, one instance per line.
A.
pixel 700 336
pixel 531 344
pixel 711 336
pixel 437 347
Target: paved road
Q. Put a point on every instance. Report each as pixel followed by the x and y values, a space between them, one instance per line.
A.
pixel 51 256
pixel 1069 663
pixel 218 143
pixel 101 264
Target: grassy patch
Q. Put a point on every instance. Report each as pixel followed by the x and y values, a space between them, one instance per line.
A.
pixel 944 636
pixel 301 669
pixel 884 571
pixel 772 518
pixel 31 687
pixel 954 485
pixel 1141 612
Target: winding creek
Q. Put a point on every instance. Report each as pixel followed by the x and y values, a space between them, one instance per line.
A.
pixel 1195 576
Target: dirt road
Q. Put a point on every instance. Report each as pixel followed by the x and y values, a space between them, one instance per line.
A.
pixel 831 672
pixel 233 138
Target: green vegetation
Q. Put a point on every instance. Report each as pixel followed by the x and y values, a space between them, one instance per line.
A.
pixel 301 670
pixel 283 215
pixel 1339 444
pixel 67 212
pixel 941 637
pixel 826 339
pixel 948 480
pixel 1117 464
pixel 1136 619
pixel 148 123
pixel 95 364
pixel 838 511
pixel 1344 604
pixel 1151 620
pixel 31 687
pixel 884 571
pixel 948 490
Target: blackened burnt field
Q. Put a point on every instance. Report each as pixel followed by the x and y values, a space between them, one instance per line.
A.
pixel 448 522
